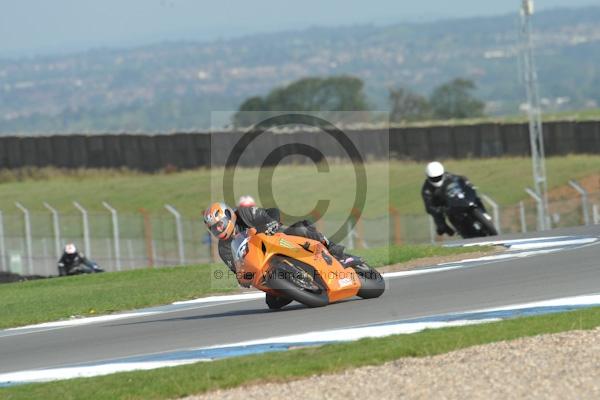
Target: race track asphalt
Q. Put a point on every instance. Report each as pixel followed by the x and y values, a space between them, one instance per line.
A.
pixel 573 271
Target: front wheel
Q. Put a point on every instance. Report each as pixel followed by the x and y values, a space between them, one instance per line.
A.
pixel 487 226
pixel 372 284
pixel 276 302
pixel 297 284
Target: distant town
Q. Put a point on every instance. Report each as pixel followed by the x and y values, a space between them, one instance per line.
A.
pixel 175 86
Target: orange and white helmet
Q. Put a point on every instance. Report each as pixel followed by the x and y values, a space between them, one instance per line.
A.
pixel 220 220
pixel 246 201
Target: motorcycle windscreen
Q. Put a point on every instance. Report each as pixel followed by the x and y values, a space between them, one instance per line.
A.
pixel 459 196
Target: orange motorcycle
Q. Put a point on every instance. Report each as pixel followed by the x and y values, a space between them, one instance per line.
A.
pixel 300 269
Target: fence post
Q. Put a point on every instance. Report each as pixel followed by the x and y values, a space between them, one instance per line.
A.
pixel 153 256
pixel 56 227
pixel 541 224
pixel 596 214
pixel 150 245
pixel 86 228
pixel 214 248
pixel 495 211
pixel 397 227
pixel 522 214
pixel 584 200
pixel 2 247
pixel 27 236
pixel 432 231
pixel 177 216
pixel 116 238
pixel 350 235
pixel 359 230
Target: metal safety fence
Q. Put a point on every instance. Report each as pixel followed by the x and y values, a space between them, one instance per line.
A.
pixel 32 242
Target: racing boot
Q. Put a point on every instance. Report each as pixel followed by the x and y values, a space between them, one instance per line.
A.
pixel 346 260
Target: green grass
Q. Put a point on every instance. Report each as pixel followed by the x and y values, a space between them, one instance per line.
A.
pixel 503 179
pixel 180 381
pixel 45 300
pixel 296 188
pixel 590 114
pixel 399 254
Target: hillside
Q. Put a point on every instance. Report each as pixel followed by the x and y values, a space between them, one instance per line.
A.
pixel 174 86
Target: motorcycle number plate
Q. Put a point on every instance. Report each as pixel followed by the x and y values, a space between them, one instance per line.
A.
pixel 345 282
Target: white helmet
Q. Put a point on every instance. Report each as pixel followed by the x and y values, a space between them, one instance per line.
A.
pixel 70 248
pixel 435 173
pixel 246 201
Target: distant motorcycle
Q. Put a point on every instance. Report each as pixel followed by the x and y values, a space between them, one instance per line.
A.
pixel 72 262
pixel 84 269
pixel 466 213
pixel 79 268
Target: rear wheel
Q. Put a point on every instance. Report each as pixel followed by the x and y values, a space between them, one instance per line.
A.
pixel 487 226
pixel 295 281
pixel 372 284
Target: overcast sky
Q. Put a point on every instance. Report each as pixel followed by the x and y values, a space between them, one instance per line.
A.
pixel 30 27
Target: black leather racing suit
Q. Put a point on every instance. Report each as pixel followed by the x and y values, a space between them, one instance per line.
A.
pixel 76 263
pixel 435 201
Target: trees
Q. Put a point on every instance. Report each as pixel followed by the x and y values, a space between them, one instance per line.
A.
pixel 455 100
pixel 342 93
pixel 408 106
pixel 254 104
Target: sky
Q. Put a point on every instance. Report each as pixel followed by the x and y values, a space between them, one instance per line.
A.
pixel 35 27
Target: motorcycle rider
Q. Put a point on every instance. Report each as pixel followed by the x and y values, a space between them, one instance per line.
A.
pixel 434 196
pixel 73 262
pixel 246 201
pixel 224 222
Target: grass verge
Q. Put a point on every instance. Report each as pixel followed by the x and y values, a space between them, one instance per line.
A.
pixel 295 187
pixel 45 300
pixel 31 302
pixel 180 381
pixel 377 257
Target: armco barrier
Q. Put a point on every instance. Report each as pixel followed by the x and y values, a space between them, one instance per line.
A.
pixel 192 150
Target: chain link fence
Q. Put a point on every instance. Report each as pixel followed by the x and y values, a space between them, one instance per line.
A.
pixel 31 243
pixel 141 240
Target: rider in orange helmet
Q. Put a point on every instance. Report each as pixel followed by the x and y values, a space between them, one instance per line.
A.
pixel 224 222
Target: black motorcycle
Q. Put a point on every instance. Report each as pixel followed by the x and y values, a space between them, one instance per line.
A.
pixel 466 212
pixel 80 268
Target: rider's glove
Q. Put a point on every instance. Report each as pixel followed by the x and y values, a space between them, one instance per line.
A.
pixel 272 227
